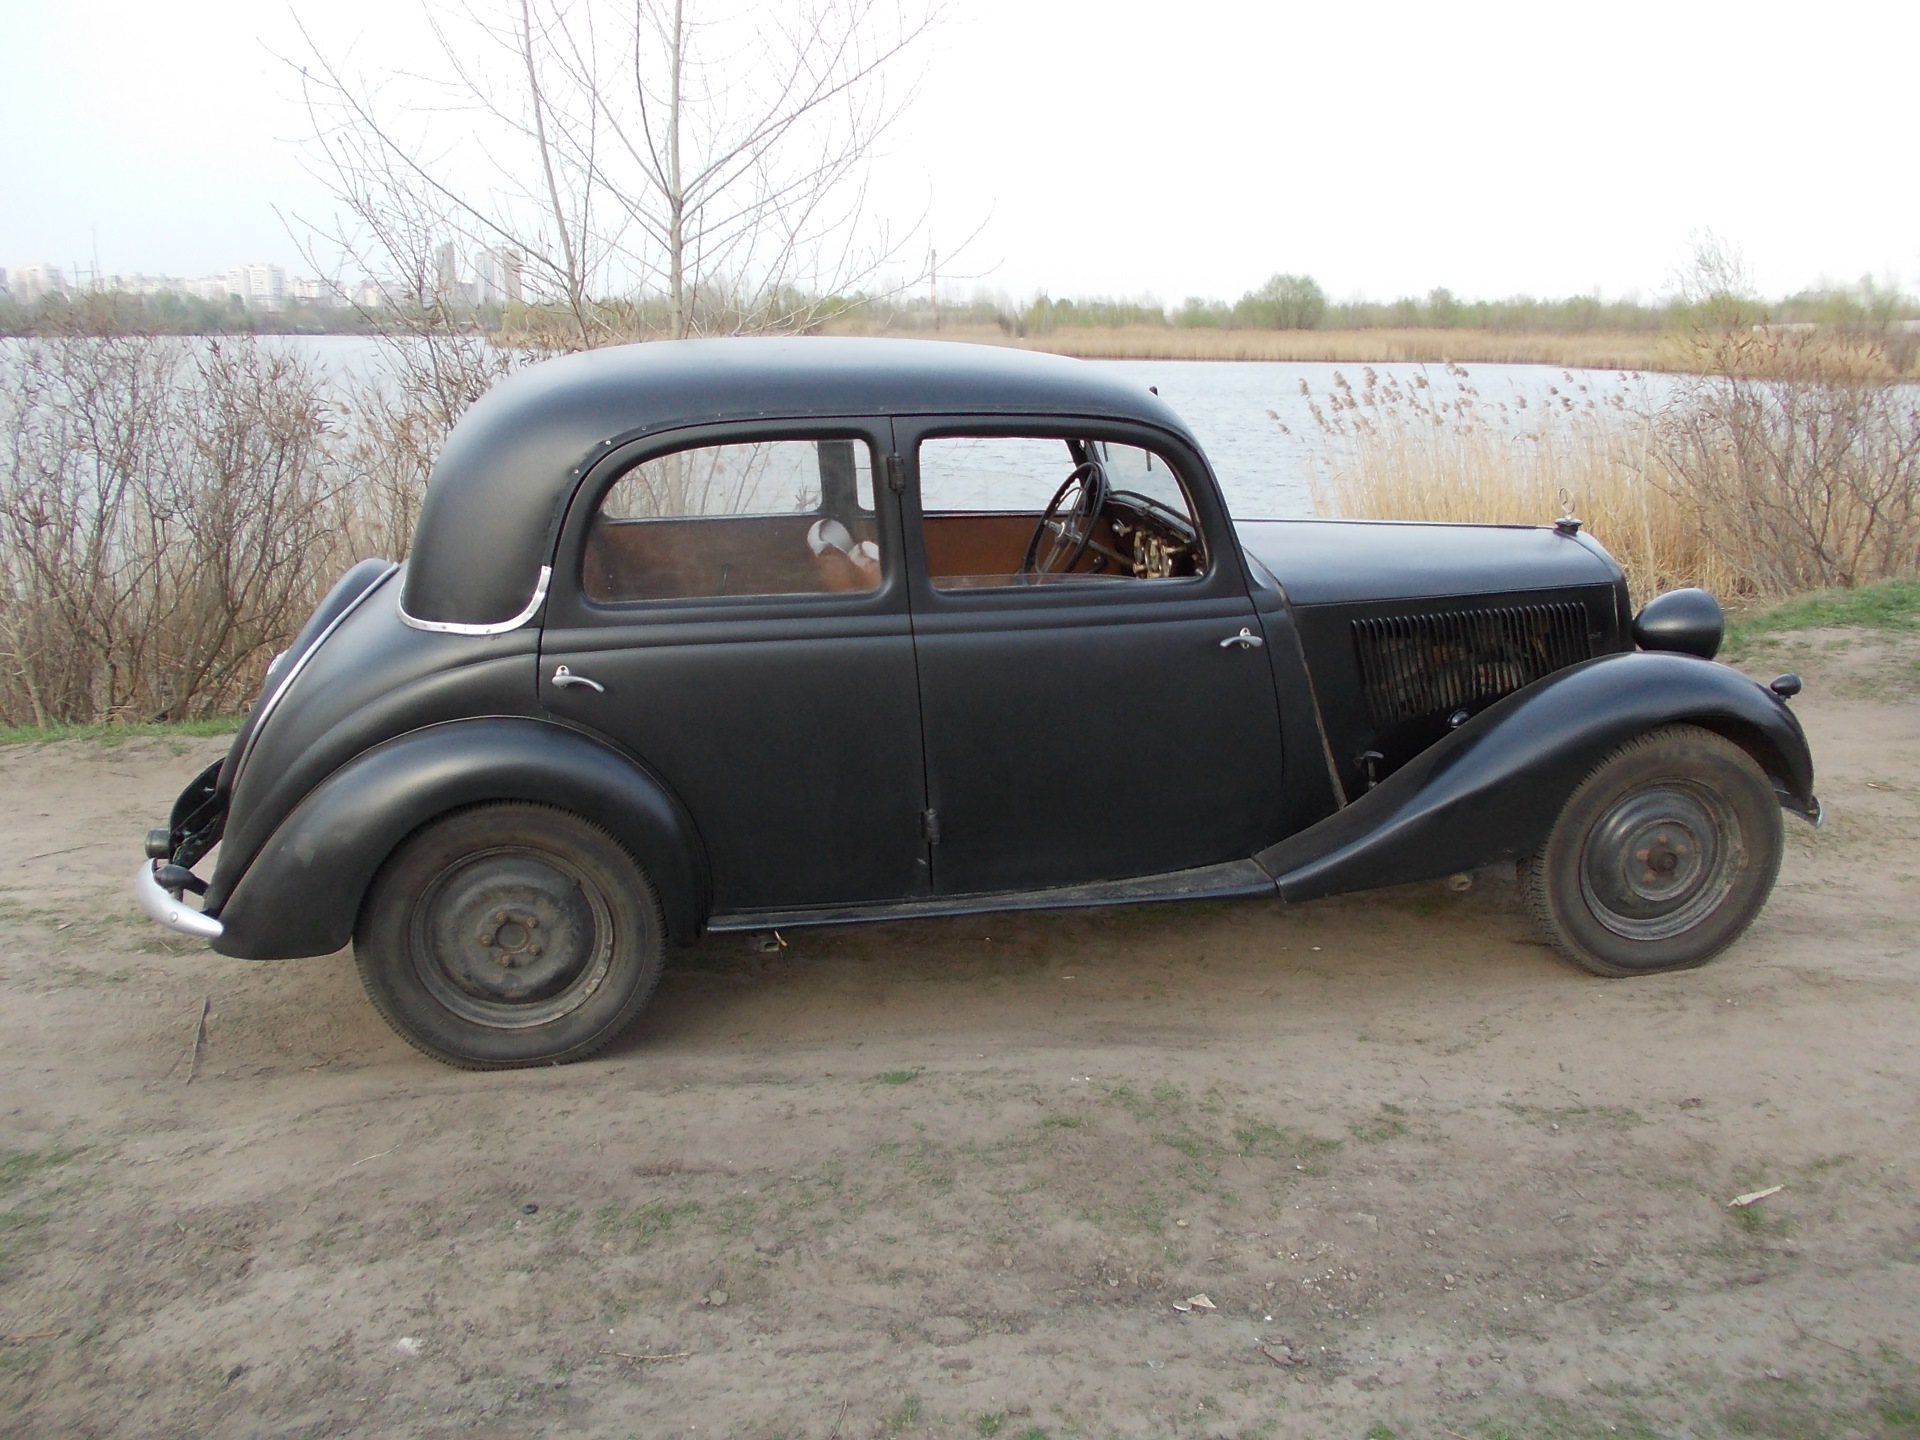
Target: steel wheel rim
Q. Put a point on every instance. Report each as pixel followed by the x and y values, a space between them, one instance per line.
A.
pixel 512 937
pixel 1660 860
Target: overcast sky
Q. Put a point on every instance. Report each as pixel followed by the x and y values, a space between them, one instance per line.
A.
pixel 1121 148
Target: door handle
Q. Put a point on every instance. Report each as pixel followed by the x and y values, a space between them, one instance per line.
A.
pixel 1246 640
pixel 563 677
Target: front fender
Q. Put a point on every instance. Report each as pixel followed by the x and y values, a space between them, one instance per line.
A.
pixel 303 890
pixel 1492 789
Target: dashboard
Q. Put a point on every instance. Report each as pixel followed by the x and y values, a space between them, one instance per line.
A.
pixel 1151 542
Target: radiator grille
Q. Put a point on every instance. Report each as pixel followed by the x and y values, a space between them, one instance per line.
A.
pixel 1421 665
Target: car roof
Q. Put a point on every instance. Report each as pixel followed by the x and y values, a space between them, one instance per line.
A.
pixel 511 464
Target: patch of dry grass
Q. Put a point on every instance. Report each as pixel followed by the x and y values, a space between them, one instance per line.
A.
pixel 1583 351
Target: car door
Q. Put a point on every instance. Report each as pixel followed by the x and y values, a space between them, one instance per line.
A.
pixel 1113 719
pixel 730 607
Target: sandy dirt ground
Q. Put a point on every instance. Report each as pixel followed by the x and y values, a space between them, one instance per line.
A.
pixel 961 1178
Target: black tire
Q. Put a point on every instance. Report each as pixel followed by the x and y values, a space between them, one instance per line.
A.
pixel 1661 857
pixel 509 935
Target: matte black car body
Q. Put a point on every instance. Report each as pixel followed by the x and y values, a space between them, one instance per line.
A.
pixel 1330 706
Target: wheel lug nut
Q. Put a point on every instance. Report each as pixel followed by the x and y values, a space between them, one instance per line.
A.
pixel 533 950
pixel 499 917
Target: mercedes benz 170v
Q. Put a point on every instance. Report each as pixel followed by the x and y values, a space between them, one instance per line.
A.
pixel 736 634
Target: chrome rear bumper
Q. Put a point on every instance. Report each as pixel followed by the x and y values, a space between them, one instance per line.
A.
pixel 173 913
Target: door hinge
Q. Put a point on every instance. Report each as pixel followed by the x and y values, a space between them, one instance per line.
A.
pixel 930 826
pixel 897 481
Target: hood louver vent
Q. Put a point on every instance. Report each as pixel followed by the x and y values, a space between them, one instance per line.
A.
pixel 1412 666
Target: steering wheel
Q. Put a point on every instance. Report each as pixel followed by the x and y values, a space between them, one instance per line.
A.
pixel 1066 525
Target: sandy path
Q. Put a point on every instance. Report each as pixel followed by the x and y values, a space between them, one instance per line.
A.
pixel 951 1179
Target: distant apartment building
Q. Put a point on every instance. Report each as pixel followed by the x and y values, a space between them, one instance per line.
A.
pixel 207 287
pixel 262 287
pixel 446 275
pixel 496 277
pixel 143 284
pixel 31 282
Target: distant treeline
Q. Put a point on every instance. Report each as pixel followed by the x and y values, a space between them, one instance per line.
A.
pixel 1283 303
pixel 1297 302
pixel 116 313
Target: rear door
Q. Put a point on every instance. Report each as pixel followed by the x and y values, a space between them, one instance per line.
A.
pixel 1099 722
pixel 730 607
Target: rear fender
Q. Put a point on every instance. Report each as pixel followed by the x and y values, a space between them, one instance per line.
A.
pixel 303 890
pixel 1492 789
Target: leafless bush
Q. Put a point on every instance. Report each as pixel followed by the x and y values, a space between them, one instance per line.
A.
pixel 172 510
pixel 1799 455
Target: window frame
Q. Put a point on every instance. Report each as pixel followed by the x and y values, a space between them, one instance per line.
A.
pixel 570 604
pixel 1224 574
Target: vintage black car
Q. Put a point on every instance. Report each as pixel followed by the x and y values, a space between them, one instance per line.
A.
pixel 735 634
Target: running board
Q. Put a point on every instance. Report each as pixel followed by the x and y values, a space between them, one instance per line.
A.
pixel 1235 880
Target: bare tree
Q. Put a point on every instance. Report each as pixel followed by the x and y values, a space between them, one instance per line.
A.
pixel 654 166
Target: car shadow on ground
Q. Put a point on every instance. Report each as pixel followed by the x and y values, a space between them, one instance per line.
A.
pixel 1045 977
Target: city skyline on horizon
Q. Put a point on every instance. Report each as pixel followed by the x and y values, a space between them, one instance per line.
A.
pixel 492 277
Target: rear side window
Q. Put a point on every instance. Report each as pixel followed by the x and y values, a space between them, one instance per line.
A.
pixel 758 517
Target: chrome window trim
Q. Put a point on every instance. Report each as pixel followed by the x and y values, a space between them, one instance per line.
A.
pixel 452 627
pixel 293 671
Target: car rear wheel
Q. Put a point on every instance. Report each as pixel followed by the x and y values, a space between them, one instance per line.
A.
pixel 509 935
pixel 1661 858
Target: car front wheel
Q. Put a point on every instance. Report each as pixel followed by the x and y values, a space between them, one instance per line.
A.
pixel 1661 858
pixel 509 935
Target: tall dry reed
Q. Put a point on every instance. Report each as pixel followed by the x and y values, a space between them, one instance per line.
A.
pixel 1418 451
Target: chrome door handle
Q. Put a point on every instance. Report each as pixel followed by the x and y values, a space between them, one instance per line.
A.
pixel 563 677
pixel 1246 640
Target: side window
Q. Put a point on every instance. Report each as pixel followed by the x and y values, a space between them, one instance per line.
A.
pixel 1016 510
pixel 760 517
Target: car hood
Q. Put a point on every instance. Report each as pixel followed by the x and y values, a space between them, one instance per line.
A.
pixel 1334 562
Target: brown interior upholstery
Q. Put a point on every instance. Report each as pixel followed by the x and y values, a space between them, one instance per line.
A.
pixel 975 548
pixel 970 551
pixel 728 555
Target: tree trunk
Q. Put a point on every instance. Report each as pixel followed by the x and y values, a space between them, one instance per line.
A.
pixel 676 197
